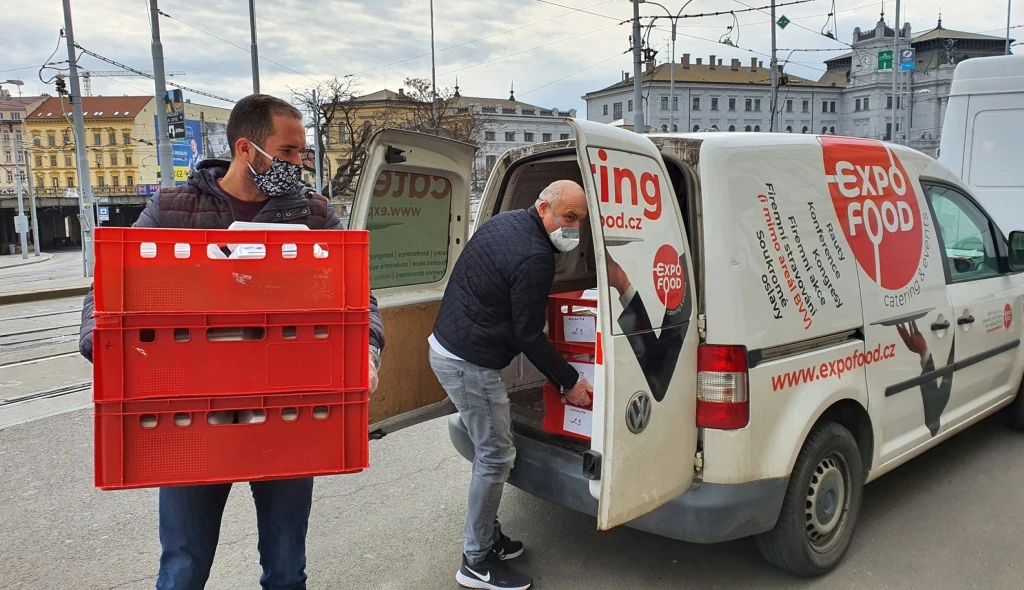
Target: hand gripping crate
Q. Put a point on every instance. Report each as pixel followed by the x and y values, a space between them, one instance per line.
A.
pixel 186 271
pixel 197 441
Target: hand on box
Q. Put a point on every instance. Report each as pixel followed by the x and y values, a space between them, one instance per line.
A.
pixel 616 276
pixel 581 394
pixel 374 381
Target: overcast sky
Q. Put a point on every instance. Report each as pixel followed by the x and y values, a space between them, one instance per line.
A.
pixel 541 46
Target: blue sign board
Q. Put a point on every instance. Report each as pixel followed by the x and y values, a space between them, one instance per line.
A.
pixel 908 59
pixel 188 152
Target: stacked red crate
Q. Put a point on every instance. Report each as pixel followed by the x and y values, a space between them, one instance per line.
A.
pixel 572 330
pixel 209 369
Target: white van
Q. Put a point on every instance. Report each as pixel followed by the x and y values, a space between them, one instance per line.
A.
pixel 983 134
pixel 799 315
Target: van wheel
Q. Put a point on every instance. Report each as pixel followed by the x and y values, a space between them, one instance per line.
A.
pixel 822 502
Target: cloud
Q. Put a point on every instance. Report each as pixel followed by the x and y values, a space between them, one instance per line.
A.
pixel 322 38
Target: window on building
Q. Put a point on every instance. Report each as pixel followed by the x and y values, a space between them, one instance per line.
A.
pixel 492 161
pixel 67 160
pixel 696 128
pixel 528 136
pixel 127 159
pixel 675 103
pixel 7 157
pixel 605 109
pixel 113 138
pixel 563 136
pixel 757 128
pixel 857 105
pixel 71 181
pixel 888 132
pixel 19 157
pixel 99 160
pixel 56 182
pixel 629 106
pixel 37 141
pixel 757 105
pixel 489 136
pixel 832 106
pixel 807 106
pixel 101 181
pixel 7 137
pixel 511 135
pixel 17 136
pixel 39 161
pixel 732 104
pixel 748 129
pixel 15 116
pixel 53 161
pixel 832 130
pixel 51 139
pixel 664 127
pixel 545 137
pixel 128 138
pixel 113 159
pixel 789 129
pixel 888 102
pixel 824 106
pixel 732 128
pixel 97 139
pixel 10 178
pixel 714 104
pixel 824 130
pixel 789 106
pixel 67 139
pixel 115 180
pixel 39 182
pixel 664 103
pixel 617 110
pixel 696 103
pixel 805 129
pixel 748 105
pixel 867 104
pixel 129 180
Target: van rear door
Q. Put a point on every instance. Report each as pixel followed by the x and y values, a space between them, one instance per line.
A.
pixel 413 197
pixel 644 435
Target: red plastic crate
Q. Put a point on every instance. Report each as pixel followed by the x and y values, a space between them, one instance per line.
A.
pixel 554 413
pixel 181 278
pixel 170 356
pixel 559 306
pixel 171 442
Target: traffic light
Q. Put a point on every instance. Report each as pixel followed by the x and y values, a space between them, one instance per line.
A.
pixel 62 87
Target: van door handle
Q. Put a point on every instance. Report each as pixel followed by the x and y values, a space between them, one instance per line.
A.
pixel 943 325
pixel 968 319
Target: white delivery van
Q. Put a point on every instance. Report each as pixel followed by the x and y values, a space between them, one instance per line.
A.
pixel 781 319
pixel 983 134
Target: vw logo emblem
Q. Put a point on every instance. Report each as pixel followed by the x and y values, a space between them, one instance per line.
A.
pixel 638 412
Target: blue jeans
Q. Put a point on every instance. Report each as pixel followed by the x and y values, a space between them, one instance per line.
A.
pixel 482 402
pixel 190 519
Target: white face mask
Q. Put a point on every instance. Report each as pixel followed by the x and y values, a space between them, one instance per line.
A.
pixel 564 238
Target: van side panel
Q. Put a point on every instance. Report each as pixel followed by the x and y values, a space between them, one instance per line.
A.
pixel 995 128
pixel 780 273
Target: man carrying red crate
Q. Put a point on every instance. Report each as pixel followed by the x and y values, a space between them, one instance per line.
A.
pixel 261 183
pixel 493 309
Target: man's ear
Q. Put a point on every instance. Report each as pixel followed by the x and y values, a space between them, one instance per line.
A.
pixel 243 148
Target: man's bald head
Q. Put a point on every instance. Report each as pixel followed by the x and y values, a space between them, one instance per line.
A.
pixel 562 202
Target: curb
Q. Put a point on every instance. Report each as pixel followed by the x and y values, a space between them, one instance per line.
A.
pixel 43 257
pixel 43 295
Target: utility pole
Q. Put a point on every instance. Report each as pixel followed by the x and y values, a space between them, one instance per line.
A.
pixel 255 55
pixel 21 224
pixel 32 204
pixel 316 145
pixel 775 74
pixel 1009 11
pixel 638 91
pixel 895 72
pixel 433 72
pixel 87 217
pixel 163 138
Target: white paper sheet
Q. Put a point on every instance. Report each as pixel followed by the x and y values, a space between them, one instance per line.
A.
pixel 578 421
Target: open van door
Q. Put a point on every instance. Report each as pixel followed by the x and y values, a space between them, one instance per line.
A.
pixel 644 425
pixel 413 197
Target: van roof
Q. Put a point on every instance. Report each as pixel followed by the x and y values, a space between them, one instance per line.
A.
pixel 988 75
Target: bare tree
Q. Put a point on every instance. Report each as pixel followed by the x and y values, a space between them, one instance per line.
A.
pixel 449 117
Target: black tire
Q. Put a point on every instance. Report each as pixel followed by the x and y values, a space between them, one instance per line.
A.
pixel 1016 410
pixel 810 540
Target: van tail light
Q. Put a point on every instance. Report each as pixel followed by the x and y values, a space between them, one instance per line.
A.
pixel 723 400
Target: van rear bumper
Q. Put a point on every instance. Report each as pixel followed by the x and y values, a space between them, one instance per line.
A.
pixel 706 513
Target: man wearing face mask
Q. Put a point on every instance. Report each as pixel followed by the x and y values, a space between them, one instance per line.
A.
pixel 494 308
pixel 261 183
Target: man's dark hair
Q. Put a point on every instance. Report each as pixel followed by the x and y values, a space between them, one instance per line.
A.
pixel 253 118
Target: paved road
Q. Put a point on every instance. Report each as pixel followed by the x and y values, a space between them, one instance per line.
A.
pixel 950 519
pixel 63 270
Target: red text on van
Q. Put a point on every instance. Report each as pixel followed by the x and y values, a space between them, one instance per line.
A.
pixel 625 186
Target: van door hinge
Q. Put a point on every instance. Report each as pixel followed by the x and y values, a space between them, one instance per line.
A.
pixel 698 461
pixel 702 326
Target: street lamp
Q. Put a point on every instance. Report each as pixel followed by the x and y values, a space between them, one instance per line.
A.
pixel 17 83
pixel 672 70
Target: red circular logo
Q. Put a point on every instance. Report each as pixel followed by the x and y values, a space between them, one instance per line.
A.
pixel 1007 316
pixel 669 278
pixel 877 208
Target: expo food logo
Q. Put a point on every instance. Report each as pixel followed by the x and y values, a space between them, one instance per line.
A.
pixel 1007 316
pixel 669 278
pixel 877 208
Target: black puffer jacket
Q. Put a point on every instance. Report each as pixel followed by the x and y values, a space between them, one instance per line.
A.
pixel 201 204
pixel 496 302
